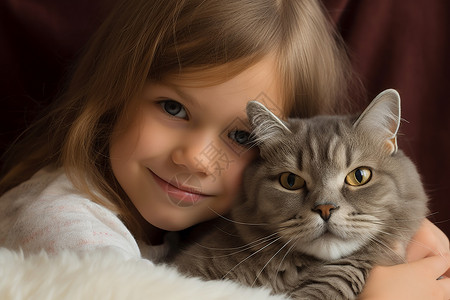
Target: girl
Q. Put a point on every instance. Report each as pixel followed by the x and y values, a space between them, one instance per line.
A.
pixel 150 134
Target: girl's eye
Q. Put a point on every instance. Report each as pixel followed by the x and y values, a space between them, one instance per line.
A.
pixel 359 176
pixel 290 181
pixel 240 136
pixel 174 108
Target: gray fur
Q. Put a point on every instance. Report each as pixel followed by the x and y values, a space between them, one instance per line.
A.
pixel 276 237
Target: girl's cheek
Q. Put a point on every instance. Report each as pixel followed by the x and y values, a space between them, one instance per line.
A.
pixel 241 163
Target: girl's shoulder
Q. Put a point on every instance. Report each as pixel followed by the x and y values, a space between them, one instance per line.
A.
pixel 44 186
pixel 49 188
pixel 48 212
pixel 37 183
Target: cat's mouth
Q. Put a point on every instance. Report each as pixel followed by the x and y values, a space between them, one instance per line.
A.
pixel 328 234
pixel 330 245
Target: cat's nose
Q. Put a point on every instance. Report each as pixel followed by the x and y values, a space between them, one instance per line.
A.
pixel 325 210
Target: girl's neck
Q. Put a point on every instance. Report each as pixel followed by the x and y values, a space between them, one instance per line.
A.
pixel 152 235
pixel 155 236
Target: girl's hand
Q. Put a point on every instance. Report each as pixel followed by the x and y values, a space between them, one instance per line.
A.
pixel 411 281
pixel 428 241
pixel 428 257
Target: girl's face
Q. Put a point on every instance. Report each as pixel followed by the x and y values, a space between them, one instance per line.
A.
pixel 181 159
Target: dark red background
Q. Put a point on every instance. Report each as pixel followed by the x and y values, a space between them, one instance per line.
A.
pixel 399 44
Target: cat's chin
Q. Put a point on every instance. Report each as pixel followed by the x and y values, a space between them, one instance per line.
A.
pixel 330 247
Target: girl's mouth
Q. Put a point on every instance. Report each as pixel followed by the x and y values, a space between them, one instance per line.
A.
pixel 178 192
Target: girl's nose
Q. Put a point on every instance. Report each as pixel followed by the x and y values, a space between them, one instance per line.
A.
pixel 198 154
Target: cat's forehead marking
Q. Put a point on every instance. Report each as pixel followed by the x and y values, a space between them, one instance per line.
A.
pixel 326 145
pixel 314 148
pixel 337 151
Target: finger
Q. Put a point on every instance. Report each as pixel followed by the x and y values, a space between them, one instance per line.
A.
pixel 435 266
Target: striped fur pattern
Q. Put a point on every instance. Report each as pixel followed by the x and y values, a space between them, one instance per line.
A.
pixel 318 240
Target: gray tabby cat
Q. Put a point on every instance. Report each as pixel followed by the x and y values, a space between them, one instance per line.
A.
pixel 329 197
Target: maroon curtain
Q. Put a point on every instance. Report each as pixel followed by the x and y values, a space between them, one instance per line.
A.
pixel 393 44
pixel 39 40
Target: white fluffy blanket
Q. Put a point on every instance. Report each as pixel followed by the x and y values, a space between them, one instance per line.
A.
pixel 103 276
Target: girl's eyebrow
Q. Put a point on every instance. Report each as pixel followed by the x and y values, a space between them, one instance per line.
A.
pixel 186 96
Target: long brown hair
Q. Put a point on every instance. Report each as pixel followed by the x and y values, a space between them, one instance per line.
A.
pixel 149 39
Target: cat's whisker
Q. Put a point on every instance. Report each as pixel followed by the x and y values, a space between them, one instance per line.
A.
pixel 437 222
pixel 381 211
pixel 410 219
pixel 425 246
pixel 223 255
pixel 403 238
pixel 248 257
pixel 246 246
pixel 260 272
pixel 368 224
pixel 441 222
pixel 286 254
pixel 431 214
pixel 240 249
pixel 390 252
pixel 236 222
pixel 399 230
pixel 387 247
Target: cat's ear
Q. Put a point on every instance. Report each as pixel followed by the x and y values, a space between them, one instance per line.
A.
pixel 382 117
pixel 265 125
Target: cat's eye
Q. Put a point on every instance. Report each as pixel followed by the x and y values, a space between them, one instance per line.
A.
pixel 174 108
pixel 291 181
pixel 240 136
pixel 359 176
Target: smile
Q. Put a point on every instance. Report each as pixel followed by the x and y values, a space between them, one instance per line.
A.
pixel 178 192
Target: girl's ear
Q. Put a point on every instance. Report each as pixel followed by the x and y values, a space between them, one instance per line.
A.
pixel 266 127
pixel 382 117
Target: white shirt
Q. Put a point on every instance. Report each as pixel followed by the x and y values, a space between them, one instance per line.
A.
pixel 47 213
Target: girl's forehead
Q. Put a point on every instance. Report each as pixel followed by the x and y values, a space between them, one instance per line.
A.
pixel 209 75
pixel 263 70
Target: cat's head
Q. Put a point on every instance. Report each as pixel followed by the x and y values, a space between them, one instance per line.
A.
pixel 332 184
